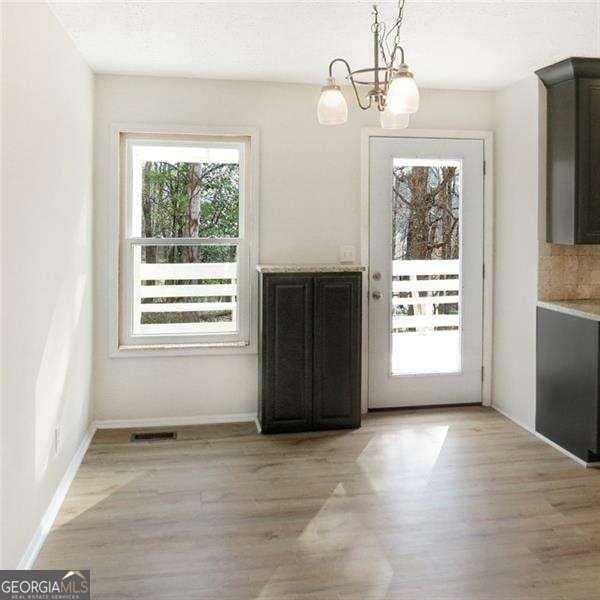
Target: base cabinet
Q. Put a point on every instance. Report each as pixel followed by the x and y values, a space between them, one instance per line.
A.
pixel 568 393
pixel 310 351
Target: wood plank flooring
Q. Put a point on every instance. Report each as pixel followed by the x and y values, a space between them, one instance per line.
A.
pixel 448 504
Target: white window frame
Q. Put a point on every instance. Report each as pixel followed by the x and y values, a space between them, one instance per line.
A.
pixel 122 342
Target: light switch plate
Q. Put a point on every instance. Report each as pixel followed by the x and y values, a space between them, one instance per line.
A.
pixel 347 254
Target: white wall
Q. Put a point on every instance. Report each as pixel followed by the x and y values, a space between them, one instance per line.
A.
pixel 309 202
pixel 519 141
pixel 47 117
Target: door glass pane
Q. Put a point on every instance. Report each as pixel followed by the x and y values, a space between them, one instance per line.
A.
pixel 425 327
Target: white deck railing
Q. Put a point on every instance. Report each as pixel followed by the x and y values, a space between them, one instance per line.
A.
pixel 186 271
pixel 407 292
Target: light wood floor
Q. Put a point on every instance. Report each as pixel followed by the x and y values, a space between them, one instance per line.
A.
pixel 456 504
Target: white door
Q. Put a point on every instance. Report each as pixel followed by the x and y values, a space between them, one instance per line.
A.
pixel 426 271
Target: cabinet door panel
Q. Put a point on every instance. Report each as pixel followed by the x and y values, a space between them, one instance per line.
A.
pixel 567 382
pixel 561 176
pixel 336 388
pixel 589 162
pixel 287 353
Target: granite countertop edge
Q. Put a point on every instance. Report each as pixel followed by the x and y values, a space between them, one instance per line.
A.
pixel 587 309
pixel 308 268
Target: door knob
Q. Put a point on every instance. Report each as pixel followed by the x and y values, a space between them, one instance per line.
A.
pixel 376 276
pixel 376 295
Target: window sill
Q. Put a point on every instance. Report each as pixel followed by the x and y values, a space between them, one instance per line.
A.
pixel 158 350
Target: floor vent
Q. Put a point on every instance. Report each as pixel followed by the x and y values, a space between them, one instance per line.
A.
pixel 152 436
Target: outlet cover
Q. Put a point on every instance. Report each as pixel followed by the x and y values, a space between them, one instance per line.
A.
pixel 56 444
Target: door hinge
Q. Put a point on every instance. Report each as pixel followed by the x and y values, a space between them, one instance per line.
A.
pixel 482 373
pixel 483 271
pixel 484 168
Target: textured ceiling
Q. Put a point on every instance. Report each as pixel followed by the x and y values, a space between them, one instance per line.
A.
pixel 476 45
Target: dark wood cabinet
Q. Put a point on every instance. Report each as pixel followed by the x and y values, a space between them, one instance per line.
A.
pixel 310 351
pixel 573 159
pixel 336 384
pixel 568 392
pixel 287 352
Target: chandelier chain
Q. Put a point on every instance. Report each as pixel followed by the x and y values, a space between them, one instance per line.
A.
pixel 399 21
pixel 395 28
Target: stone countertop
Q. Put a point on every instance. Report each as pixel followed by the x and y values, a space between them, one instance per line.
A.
pixel 587 309
pixel 308 268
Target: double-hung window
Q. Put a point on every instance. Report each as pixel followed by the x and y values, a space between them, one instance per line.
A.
pixel 187 246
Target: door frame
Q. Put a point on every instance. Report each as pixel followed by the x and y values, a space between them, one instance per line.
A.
pixel 488 241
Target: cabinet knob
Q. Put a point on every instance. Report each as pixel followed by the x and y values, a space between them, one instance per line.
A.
pixel 377 295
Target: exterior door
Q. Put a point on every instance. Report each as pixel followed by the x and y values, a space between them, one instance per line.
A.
pixel 426 271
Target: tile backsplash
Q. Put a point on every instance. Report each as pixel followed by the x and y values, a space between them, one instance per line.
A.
pixel 568 272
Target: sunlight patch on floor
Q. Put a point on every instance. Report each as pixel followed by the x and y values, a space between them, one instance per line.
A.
pixel 80 500
pixel 409 451
pixel 338 544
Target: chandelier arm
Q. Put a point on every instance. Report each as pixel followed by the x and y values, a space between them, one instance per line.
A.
pixel 351 78
pixel 380 41
pixel 383 53
pixel 393 57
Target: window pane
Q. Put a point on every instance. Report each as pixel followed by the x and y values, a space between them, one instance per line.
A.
pixel 185 289
pixel 425 270
pixel 186 191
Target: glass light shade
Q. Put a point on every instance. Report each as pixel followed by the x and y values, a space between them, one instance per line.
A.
pixel 332 108
pixel 389 120
pixel 403 94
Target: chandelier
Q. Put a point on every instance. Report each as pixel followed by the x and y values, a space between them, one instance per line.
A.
pixel 393 90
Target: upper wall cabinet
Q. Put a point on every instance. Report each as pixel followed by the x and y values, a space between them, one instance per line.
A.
pixel 573 188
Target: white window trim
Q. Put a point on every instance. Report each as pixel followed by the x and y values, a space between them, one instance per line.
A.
pixel 118 349
pixel 131 229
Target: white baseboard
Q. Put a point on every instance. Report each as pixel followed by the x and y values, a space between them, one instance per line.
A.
pixel 39 537
pixel 515 421
pixel 175 421
pixel 554 445
pixel 578 460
